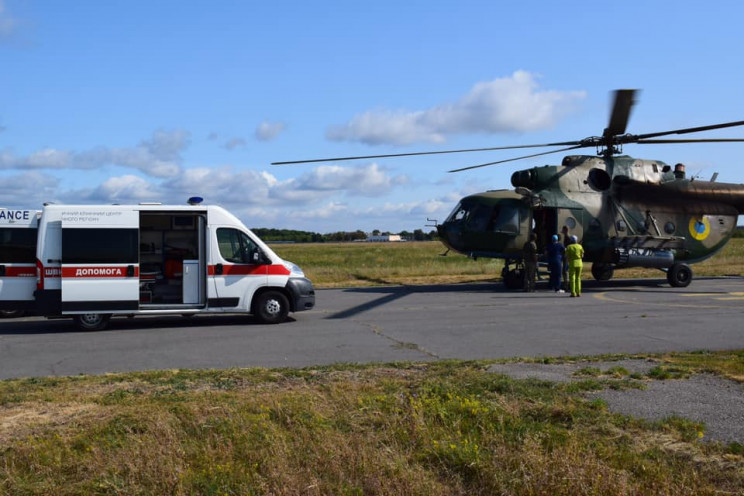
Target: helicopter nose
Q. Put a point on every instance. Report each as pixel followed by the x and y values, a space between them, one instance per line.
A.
pixel 448 235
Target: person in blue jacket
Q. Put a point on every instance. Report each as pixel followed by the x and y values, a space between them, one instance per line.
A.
pixel 555 252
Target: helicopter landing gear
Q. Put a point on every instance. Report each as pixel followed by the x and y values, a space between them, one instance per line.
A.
pixel 679 275
pixel 602 271
pixel 513 278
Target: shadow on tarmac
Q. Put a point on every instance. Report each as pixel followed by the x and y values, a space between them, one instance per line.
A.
pixel 392 293
pixel 36 325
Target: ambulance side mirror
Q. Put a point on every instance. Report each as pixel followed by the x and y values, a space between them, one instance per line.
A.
pixel 260 259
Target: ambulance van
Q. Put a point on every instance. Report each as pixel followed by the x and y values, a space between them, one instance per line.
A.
pixel 94 262
pixel 18 232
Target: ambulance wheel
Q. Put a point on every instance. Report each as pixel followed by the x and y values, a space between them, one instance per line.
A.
pixel 271 307
pixel 679 275
pixel 602 271
pixel 11 314
pixel 92 321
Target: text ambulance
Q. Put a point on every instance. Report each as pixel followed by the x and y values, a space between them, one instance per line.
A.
pixel 18 231
pixel 97 261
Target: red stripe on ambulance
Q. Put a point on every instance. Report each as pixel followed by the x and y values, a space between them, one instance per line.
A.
pixel 20 271
pixel 98 272
pixel 249 270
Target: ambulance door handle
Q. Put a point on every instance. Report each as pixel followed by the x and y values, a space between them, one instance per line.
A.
pixel 218 269
pixel 130 270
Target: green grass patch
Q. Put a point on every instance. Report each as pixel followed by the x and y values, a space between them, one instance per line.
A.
pixel 437 428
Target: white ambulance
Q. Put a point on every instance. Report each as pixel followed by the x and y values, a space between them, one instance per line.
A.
pixel 95 261
pixel 18 231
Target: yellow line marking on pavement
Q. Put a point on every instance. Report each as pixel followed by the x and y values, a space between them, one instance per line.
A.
pixel 604 297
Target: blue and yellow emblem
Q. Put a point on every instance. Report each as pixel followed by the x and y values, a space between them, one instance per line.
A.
pixel 699 228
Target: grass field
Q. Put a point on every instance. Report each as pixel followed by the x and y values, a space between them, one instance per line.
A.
pixel 370 264
pixel 445 428
pixel 431 429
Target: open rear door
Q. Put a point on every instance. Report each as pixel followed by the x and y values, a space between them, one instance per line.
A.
pixel 100 260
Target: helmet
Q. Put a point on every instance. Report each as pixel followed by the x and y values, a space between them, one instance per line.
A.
pixel 555 237
pixel 574 239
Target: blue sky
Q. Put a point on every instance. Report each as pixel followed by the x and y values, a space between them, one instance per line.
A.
pixel 125 102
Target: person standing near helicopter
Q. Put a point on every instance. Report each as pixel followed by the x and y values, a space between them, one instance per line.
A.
pixel 529 254
pixel 555 253
pixel 574 255
pixel 566 242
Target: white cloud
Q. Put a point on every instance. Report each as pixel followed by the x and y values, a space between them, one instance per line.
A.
pixel 8 24
pixel 125 189
pixel 233 143
pixel 267 131
pixel 159 156
pixel 510 104
pixel 365 180
pixel 28 189
pixel 224 184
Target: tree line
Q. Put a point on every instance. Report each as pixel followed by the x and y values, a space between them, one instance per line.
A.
pixel 293 236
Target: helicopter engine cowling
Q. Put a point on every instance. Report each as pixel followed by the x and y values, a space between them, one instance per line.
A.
pixel 536 178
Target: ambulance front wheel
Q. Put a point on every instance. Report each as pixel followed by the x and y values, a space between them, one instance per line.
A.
pixel 92 321
pixel 271 307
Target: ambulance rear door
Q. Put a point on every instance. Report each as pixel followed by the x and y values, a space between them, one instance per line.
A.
pixel 18 234
pixel 100 260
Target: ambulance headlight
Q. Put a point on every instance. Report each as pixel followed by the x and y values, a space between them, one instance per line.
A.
pixel 294 269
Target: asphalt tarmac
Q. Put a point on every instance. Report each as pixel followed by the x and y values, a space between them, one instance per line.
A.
pixel 425 323
pixel 387 324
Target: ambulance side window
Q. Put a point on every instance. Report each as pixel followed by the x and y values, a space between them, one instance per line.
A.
pixel 17 245
pixel 100 246
pixel 236 246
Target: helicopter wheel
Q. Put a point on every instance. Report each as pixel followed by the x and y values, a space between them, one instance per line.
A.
pixel 513 279
pixel 679 275
pixel 602 271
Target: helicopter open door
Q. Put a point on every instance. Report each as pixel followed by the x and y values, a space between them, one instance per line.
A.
pixel 548 221
pixel 572 219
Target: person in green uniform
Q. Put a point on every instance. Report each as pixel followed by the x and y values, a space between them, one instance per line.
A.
pixel 574 254
pixel 529 253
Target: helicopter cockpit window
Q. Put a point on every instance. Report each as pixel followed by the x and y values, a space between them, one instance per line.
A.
pixel 459 214
pixel 479 216
pixel 504 219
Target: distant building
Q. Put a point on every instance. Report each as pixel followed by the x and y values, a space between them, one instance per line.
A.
pixel 384 238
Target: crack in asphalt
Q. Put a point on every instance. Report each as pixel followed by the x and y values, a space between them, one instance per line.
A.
pixel 398 343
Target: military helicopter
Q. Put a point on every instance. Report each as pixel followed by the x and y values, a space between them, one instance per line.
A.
pixel 627 212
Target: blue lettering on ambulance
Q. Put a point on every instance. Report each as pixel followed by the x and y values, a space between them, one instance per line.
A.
pixel 14 214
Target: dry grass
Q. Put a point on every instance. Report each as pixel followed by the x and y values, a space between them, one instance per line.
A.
pixel 434 429
pixel 374 264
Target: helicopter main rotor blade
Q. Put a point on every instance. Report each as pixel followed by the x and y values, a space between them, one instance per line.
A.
pixel 624 101
pixel 517 158
pixel 668 141
pixel 689 130
pixel 411 154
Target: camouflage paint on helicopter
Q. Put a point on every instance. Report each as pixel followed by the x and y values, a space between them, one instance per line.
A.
pixel 627 212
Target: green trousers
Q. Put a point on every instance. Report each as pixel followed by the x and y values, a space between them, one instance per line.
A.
pixel 574 279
